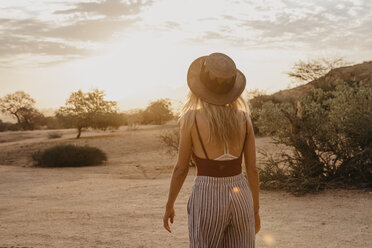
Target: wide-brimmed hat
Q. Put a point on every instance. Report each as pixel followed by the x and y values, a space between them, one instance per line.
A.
pixel 215 79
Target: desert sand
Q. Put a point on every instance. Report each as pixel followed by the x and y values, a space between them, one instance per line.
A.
pixel 121 203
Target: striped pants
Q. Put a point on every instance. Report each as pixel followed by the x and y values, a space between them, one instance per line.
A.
pixel 220 213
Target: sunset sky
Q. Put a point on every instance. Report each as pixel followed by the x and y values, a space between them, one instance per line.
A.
pixel 139 51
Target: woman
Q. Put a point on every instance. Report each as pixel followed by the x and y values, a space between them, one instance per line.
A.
pixel 223 208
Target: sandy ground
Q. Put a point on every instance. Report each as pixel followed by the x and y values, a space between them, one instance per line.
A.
pixel 120 203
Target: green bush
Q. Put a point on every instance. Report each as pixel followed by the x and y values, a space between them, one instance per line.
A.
pixel 69 155
pixel 255 105
pixel 329 139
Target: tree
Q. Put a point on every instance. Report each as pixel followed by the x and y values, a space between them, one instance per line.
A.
pixel 21 106
pixel 89 109
pixel 32 118
pixel 158 112
pixel 306 71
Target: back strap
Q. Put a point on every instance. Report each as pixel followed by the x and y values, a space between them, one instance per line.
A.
pixel 201 142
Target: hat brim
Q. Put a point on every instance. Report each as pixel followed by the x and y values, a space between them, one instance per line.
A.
pixel 199 89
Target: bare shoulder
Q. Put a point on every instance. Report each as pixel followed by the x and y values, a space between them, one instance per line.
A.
pixel 186 117
pixel 248 122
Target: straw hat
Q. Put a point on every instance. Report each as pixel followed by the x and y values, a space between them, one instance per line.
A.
pixel 215 79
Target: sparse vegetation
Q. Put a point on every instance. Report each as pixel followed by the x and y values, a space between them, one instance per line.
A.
pixel 69 155
pixel 170 141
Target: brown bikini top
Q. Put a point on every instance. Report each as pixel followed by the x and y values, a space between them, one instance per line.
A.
pixel 217 168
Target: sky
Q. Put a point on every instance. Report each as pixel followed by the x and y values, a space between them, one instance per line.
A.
pixel 139 51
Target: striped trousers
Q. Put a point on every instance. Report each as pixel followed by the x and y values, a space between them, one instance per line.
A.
pixel 220 213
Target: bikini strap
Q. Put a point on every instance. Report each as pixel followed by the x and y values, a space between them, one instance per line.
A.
pixel 201 142
pixel 246 133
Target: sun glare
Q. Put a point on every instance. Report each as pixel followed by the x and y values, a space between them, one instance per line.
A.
pixel 269 239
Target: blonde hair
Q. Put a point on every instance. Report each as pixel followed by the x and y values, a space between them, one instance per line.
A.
pixel 223 120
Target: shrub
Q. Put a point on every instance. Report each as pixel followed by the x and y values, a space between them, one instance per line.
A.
pixel 255 105
pixel 329 137
pixel 170 140
pixel 54 135
pixel 69 155
pixel 7 126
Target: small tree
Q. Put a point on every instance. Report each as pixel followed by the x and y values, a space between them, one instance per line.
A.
pixel 306 71
pixel 89 109
pixel 20 105
pixel 158 112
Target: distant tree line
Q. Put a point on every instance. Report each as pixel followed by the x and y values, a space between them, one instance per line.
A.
pixel 81 110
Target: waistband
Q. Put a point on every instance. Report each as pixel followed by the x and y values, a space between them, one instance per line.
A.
pixel 219 180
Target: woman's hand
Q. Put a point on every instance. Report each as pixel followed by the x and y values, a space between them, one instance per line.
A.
pixel 169 214
pixel 257 222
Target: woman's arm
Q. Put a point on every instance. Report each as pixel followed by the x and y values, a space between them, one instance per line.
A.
pixel 251 169
pixel 179 174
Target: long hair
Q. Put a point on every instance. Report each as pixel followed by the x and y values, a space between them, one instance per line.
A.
pixel 223 120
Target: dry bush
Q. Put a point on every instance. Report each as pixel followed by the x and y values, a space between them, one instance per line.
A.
pixel 170 141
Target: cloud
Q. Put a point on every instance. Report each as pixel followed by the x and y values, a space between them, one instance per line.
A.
pixel 97 30
pixel 106 8
pixel 321 30
pixel 13 45
pixel 281 24
pixel 291 25
pixel 98 22
pixel 32 36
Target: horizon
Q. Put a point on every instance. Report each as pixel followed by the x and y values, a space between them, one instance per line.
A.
pixel 143 48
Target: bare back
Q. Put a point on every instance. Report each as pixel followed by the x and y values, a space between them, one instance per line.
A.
pixel 214 150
